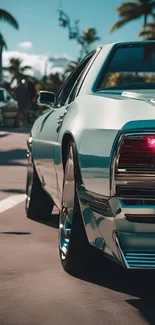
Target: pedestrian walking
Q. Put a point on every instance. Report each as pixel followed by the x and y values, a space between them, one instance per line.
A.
pixel 22 97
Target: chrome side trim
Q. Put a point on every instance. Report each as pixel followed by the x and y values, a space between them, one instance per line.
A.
pixel 96 202
pixel 47 142
pixel 136 259
pixel 140 260
pixel 29 145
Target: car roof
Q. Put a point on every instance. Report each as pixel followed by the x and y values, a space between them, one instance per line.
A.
pixel 129 43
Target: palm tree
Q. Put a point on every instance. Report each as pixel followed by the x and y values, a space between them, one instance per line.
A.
pixel 56 79
pixel 88 37
pixel 5 16
pixel 129 11
pixel 53 82
pixel 2 46
pixel 16 69
pixel 148 33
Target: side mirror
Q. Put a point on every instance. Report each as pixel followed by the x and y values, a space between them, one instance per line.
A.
pixel 8 98
pixel 45 98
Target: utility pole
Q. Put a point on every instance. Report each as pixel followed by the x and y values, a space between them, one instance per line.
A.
pixel 45 73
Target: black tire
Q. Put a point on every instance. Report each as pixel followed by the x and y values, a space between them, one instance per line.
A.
pixel 15 123
pixel 79 249
pixel 39 204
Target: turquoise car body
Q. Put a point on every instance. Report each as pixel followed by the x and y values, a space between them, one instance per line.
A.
pixel 95 121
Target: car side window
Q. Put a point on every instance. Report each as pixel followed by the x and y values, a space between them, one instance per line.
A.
pixel 7 96
pixel 77 85
pixel 74 89
pixel 71 81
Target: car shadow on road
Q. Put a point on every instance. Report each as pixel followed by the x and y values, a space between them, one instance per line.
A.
pixel 139 284
pixel 14 233
pixel 146 308
pixel 13 157
pixel 13 191
pixel 52 221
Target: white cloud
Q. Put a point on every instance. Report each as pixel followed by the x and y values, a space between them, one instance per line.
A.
pixel 38 62
pixel 25 45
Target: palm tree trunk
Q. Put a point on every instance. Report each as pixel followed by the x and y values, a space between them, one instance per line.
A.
pixel 1 49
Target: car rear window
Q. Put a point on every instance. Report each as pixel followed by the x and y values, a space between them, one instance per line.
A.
pixel 130 67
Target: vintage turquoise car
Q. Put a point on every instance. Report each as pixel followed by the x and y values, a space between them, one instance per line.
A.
pixel 92 154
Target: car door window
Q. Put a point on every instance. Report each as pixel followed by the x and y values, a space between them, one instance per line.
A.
pixel 77 85
pixel 72 80
pixel 74 89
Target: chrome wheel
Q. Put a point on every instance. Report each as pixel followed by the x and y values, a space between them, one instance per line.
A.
pixel 74 248
pixel 66 215
pixel 65 231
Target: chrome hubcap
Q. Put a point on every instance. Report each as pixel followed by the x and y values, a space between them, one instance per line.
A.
pixel 65 230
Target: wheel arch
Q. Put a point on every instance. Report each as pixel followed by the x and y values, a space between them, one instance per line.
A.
pixel 67 139
pixel 85 198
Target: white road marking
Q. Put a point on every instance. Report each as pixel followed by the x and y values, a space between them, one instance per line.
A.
pixel 3 133
pixel 11 201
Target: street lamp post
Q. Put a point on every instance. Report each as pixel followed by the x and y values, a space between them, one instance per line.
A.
pixel 64 20
pixel 74 32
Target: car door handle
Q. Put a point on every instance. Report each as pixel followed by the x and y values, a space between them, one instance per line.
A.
pixel 60 118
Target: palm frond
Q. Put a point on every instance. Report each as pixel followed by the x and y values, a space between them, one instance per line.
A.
pixel 148 32
pixel 149 38
pixel 119 24
pixel 147 35
pixel 89 36
pixel 6 16
pixel 26 67
pixel 126 7
pixel 132 10
pixel 15 62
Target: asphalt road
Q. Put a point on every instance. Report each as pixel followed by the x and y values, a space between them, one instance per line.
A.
pixel 34 289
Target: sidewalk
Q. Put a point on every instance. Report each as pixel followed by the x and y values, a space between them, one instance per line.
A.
pixel 25 129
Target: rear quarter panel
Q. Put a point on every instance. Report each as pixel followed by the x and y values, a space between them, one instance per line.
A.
pixel 94 122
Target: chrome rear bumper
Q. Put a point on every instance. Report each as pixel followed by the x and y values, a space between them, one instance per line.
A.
pixel 136 259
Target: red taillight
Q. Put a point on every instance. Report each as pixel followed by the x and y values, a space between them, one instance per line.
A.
pixel 137 153
pixel 151 142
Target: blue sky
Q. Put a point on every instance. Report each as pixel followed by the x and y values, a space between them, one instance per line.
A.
pixel 39 25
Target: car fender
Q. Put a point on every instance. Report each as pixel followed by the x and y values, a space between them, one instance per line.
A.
pixel 94 132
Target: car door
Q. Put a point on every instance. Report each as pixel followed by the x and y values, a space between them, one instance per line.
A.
pixel 43 150
pixel 49 131
pixel 11 105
